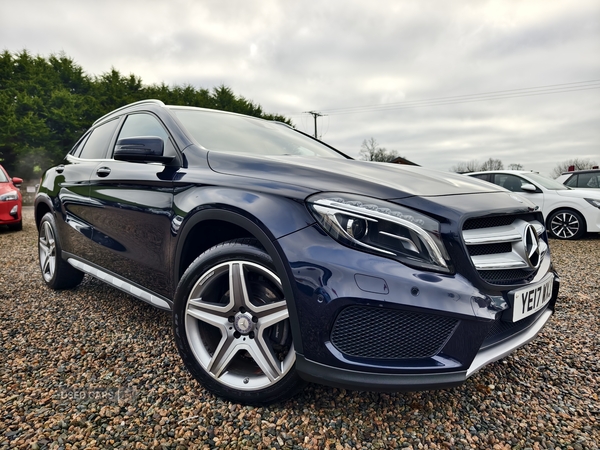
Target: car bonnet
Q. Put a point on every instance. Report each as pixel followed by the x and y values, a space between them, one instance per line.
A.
pixel 383 180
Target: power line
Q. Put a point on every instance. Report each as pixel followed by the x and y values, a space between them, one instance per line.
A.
pixel 550 88
pixel 473 100
pixel 470 98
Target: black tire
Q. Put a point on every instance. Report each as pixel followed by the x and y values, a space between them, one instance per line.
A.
pixel 566 224
pixel 56 272
pixel 239 347
pixel 16 226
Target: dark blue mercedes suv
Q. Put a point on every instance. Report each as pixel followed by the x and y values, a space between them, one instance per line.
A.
pixel 283 260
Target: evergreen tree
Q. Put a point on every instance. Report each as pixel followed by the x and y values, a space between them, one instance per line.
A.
pixel 46 104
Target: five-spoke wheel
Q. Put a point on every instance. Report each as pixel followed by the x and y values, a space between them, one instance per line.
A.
pixel 57 273
pixel 47 248
pixel 232 324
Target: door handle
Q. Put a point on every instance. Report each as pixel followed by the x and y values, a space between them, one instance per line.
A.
pixel 60 169
pixel 103 171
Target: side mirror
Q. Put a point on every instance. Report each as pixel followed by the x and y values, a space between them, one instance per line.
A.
pixel 528 187
pixel 17 181
pixel 141 149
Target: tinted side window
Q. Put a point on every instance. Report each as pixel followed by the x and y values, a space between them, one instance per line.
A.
pixel 483 176
pixel 146 125
pixel 588 180
pixel 98 142
pixel 510 182
pixel 75 151
pixel 572 182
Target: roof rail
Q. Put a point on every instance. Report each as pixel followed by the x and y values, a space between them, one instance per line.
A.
pixel 152 101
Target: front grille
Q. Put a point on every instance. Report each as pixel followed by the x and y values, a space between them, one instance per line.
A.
pixel 378 333
pixel 497 247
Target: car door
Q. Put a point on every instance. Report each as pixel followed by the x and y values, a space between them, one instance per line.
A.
pixel 132 219
pixel 71 186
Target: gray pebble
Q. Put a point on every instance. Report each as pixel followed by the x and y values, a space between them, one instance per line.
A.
pixel 94 341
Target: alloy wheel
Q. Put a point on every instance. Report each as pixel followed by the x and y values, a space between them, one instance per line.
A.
pixel 565 225
pixel 47 249
pixel 237 325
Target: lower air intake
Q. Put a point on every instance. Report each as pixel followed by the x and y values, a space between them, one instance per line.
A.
pixel 377 333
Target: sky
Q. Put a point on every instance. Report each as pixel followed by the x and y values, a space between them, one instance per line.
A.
pixel 439 82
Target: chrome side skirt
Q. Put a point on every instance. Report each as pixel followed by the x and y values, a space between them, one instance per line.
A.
pixel 125 286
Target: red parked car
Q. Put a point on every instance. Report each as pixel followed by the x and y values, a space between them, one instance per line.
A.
pixel 10 201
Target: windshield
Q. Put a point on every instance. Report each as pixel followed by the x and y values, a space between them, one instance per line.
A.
pixel 547 182
pixel 242 134
pixel 3 178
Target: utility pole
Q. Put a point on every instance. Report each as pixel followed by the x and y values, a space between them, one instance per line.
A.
pixel 315 115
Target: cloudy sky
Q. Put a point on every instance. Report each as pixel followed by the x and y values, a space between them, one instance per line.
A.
pixel 440 82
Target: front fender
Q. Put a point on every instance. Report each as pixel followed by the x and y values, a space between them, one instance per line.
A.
pixel 266 217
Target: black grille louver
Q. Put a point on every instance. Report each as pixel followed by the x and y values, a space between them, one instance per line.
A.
pixel 506 277
pixel 489 249
pixel 488 222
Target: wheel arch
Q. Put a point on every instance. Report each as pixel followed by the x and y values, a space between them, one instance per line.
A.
pixel 231 225
pixel 41 207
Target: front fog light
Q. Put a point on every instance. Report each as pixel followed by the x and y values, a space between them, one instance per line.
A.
pixel 383 228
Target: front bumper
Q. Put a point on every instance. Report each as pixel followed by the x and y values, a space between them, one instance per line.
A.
pixel 359 380
pixel 10 212
pixel 329 279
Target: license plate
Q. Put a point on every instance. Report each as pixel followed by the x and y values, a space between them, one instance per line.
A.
pixel 531 299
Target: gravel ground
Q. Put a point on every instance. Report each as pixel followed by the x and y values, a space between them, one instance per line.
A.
pixel 95 368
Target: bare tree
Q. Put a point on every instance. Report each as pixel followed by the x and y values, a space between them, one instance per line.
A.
pixel 577 163
pixel 476 166
pixel 492 164
pixel 515 167
pixel 371 151
pixel 467 166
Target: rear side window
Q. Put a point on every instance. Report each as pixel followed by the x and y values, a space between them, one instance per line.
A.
pixel 97 143
pixel 76 151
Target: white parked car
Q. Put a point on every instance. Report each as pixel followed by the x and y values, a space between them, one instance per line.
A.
pixel 569 213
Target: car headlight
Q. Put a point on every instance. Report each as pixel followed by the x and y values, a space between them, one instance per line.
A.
pixel 382 228
pixel 10 195
pixel 593 202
